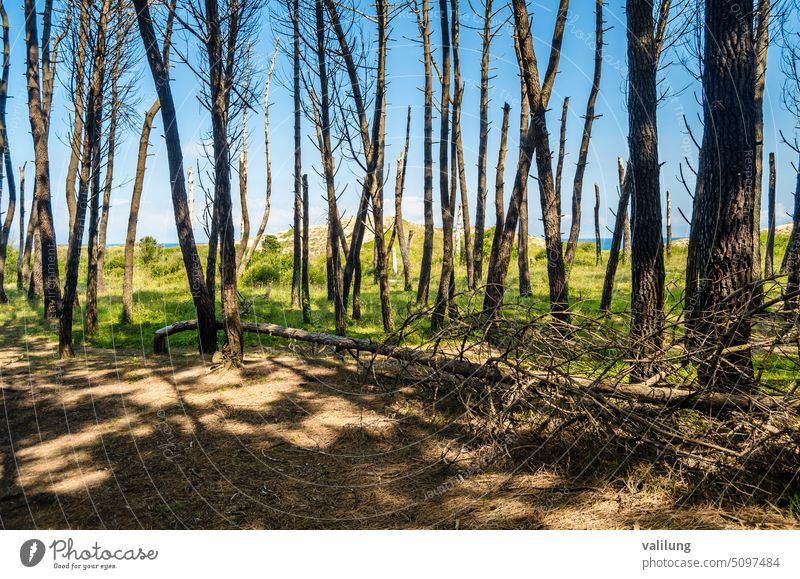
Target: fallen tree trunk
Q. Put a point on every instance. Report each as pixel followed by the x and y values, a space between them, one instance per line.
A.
pixel 653 391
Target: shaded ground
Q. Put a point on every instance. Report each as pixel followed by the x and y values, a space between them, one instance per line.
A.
pixel 294 440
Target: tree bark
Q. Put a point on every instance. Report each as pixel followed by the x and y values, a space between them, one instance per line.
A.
pixel 770 249
pixel 297 242
pixel 480 207
pixel 761 41
pixel 202 300
pixel 669 224
pixel 427 243
pixel 252 248
pixel 722 243
pixel 443 295
pixel 597 245
pixel 21 249
pixel 580 170
pixel 499 186
pixel 79 112
pixel 5 158
pixel 38 111
pixel 399 226
pixel 616 240
pixel 305 290
pixel 90 170
pixel 647 269
pixel 524 212
pixel 219 95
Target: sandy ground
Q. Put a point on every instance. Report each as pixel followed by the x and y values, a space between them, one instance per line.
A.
pixel 294 440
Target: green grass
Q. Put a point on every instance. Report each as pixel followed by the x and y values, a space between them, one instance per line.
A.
pixel 161 295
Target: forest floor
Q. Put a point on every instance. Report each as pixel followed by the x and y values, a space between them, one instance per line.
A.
pixel 296 439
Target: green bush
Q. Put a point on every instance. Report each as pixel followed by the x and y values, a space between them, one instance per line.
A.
pixel 115 264
pixel 149 250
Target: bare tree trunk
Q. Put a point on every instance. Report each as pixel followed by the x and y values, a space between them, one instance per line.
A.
pixel 647 271
pixel 298 166
pixel 669 224
pixel 792 256
pixel 112 145
pixel 616 240
pixel 499 201
pixel 322 119
pixel 399 227
pixel 524 211
pixel 626 236
pixel 378 148
pixel 761 41
pixel 38 108
pixel 5 158
pixel 577 188
pixel 133 216
pixel 536 140
pixel 191 260
pixel 21 249
pixel 219 88
pixel 244 237
pixel 458 98
pixel 480 208
pixel 35 285
pixel 443 294
pixel 770 249
pixel 598 248
pixel 722 243
pixel 77 124
pixel 562 146
pixel 427 243
pixel 305 291
pixel 252 248
pixel 90 169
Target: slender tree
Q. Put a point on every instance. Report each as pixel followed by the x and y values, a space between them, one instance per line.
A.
pixel 647 264
pixel 5 157
pixel 39 98
pixel 616 240
pixel 480 207
pixel 21 248
pixel 207 327
pixel 770 249
pixel 423 17
pixel 588 122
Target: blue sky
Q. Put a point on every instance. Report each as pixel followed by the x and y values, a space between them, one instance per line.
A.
pixel 405 81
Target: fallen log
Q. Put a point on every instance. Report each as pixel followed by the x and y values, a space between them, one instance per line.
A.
pixel 649 392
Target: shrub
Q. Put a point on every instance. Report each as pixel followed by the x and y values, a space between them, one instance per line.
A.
pixel 149 250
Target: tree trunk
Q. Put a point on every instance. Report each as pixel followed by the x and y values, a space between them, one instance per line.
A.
pixel 38 109
pixel 792 256
pixel 329 171
pixel 524 212
pixel 580 170
pixel 77 124
pixel 598 248
pixel 219 96
pixel 244 237
pixel 297 242
pixel 203 303
pixel 111 146
pixel 305 290
pixel 616 240
pixel 499 201
pixel 761 41
pixel 133 216
pixel 252 248
pixel 399 226
pixel 647 270
pixel 536 140
pixel 480 207
pixel 21 248
pixel 443 295
pixel 770 249
pixel 427 243
pixel 669 224
pixel 5 158
pixel 90 169
pixel 722 244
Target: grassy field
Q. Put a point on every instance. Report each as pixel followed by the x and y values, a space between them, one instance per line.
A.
pixel 161 292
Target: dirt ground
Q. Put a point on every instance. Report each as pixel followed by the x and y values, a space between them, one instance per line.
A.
pixel 128 440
